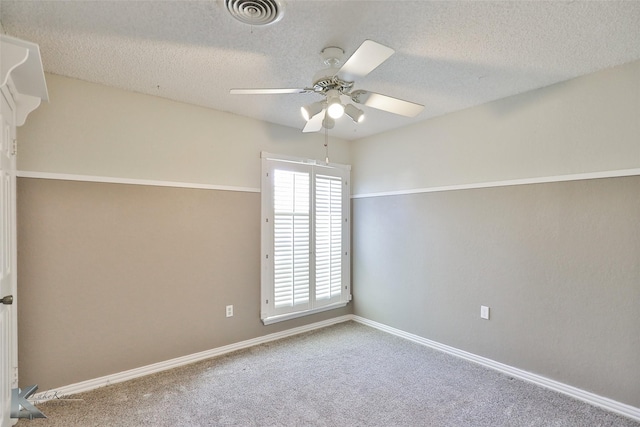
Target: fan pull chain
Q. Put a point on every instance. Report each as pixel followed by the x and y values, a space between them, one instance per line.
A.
pixel 326 145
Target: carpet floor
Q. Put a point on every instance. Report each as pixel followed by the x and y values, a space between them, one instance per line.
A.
pixel 348 374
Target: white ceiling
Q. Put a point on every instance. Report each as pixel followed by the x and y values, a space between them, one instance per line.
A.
pixel 449 56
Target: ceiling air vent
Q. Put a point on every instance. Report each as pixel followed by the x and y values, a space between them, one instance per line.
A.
pixel 255 12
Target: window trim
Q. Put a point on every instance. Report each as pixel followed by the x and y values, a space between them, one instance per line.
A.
pixel 267 314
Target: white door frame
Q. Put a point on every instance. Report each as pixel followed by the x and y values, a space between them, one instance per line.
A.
pixel 8 251
pixel 20 60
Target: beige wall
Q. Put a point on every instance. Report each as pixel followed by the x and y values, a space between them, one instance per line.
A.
pixel 112 276
pixel 557 263
pixel 89 129
pixel 589 124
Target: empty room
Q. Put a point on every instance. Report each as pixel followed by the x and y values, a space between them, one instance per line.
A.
pixel 320 213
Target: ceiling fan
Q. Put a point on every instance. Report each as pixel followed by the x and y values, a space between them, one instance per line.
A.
pixel 335 84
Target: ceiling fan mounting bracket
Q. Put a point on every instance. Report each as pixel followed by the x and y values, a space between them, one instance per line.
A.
pixel 332 56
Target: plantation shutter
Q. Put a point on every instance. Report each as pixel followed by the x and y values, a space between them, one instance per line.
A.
pixel 305 238
pixel 328 237
pixel 291 238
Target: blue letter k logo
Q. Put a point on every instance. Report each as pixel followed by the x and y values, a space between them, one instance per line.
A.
pixel 19 400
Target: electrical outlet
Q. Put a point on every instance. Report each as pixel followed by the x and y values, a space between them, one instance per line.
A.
pixel 484 312
pixel 229 311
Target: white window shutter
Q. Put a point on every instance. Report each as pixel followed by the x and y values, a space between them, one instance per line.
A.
pixel 328 237
pixel 305 238
pixel 291 239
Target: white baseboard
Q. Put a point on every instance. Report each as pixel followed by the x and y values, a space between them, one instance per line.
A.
pixel 61 392
pixel 585 396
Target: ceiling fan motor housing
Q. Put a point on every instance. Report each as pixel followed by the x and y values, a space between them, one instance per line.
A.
pixel 327 79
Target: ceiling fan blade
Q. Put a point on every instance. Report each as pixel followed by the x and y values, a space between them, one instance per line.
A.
pixel 387 103
pixel 266 91
pixel 315 123
pixel 365 59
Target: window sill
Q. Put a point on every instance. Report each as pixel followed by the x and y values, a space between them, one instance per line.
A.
pixel 294 315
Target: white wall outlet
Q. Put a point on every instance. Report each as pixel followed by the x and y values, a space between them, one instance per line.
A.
pixel 484 312
pixel 229 310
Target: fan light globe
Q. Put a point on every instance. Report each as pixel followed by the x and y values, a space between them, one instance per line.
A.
pixel 328 123
pixel 335 109
pixel 356 114
pixel 308 111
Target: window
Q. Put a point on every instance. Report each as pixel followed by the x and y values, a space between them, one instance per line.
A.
pixel 305 237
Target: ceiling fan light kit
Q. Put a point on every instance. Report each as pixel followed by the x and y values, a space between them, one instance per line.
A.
pixel 334 83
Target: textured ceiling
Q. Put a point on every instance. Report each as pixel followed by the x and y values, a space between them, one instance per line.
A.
pixel 449 55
